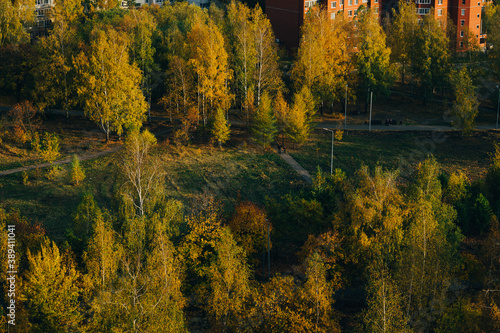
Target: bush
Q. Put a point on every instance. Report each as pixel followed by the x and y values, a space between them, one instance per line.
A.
pixel 47 147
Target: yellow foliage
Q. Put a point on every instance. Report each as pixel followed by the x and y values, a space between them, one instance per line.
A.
pixel 52 290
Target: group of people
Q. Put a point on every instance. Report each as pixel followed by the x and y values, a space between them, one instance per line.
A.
pixel 281 147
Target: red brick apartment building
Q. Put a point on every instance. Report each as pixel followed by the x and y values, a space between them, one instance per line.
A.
pixel 287 16
pixel 467 16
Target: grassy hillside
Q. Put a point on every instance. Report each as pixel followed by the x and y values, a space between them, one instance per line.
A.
pixel 191 174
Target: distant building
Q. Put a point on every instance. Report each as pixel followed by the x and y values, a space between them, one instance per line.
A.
pixel 467 15
pixel 201 3
pixel 42 22
pixel 287 16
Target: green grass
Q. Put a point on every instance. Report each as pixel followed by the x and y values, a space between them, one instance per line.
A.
pixel 53 202
pixel 388 149
pixel 232 174
pixel 190 175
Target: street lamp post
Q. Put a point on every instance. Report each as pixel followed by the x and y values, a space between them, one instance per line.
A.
pixel 371 103
pixel 331 163
pixel 268 252
pixel 345 108
pixel 498 104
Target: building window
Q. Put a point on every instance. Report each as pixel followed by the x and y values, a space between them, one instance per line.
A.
pixel 376 1
pixel 477 26
pixel 479 4
pixel 341 2
pixel 308 4
pixel 440 2
pixel 463 2
pixel 332 16
pixel 477 15
pixel 463 12
pixel 461 33
pixel 462 23
pixel 350 2
pixel 461 44
pixel 334 4
pixel 355 2
pixel 375 10
pixel 349 13
pixel 365 1
pixel 423 2
pixel 440 12
pixel 423 11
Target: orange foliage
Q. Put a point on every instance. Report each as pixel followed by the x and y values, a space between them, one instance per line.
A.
pixel 249 226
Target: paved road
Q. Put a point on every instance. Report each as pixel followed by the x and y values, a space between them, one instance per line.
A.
pixel 399 127
pixel 239 122
pixel 297 167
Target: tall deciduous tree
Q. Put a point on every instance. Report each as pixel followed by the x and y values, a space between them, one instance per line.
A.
pixel 229 282
pixel 244 51
pixel 249 226
pixel 432 55
pixel 324 57
pixel 493 37
pixel 109 85
pixel 377 215
pixel 55 74
pixel 209 59
pixel 142 50
pixel 165 299
pixel 465 106
pixel 13 14
pixel 384 313
pixel 430 248
pixel 267 74
pixel 373 57
pixel 141 171
pixel 401 37
pixel 317 292
pixel 51 291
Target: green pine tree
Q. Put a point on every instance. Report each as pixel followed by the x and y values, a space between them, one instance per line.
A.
pixel 77 173
pixel 264 128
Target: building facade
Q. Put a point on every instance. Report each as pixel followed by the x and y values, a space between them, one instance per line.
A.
pixel 287 16
pixel 42 21
pixel 467 15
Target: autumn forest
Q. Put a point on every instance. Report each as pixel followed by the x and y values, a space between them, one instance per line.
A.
pixel 145 185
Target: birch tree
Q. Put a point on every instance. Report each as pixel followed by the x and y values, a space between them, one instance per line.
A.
pixel 267 75
pixel 109 86
pixel 209 59
pixel 244 52
pixel 384 313
pixel 141 171
pixel 229 282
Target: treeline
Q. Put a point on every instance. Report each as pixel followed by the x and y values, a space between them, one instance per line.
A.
pixel 391 248
pixel 115 63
